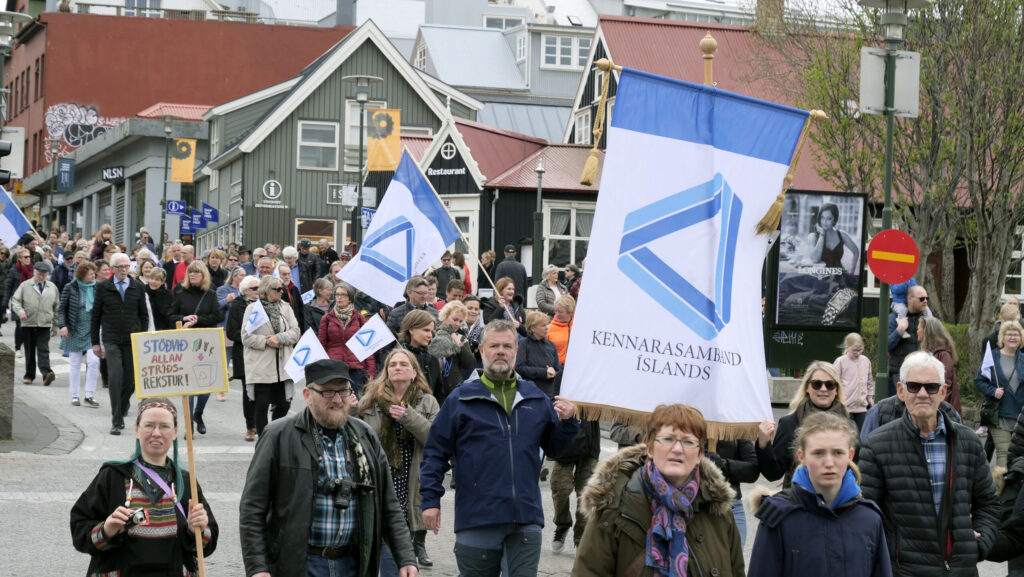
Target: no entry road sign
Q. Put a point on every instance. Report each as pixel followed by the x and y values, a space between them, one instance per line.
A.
pixel 893 256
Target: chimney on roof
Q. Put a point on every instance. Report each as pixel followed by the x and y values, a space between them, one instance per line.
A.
pixel 769 17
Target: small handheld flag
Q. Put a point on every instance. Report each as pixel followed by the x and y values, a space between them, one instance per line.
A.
pixel 307 350
pixel 372 337
pixel 257 317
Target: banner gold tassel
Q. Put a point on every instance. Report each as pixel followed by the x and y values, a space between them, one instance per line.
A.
pixel 590 168
pixel 770 221
pixel 716 431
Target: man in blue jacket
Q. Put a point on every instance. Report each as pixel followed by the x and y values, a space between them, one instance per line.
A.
pixel 495 428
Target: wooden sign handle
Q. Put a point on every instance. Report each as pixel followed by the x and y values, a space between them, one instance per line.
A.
pixel 192 481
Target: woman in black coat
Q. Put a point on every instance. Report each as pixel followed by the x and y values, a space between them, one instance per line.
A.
pixel 195 306
pixel 160 299
pixel 506 304
pixel 236 318
pixel 537 358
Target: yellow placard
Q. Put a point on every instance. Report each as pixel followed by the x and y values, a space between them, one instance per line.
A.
pixel 179 362
pixel 383 139
pixel 183 159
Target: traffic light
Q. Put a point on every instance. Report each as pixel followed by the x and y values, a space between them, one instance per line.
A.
pixel 5 149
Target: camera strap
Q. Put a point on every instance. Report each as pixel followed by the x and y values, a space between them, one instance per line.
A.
pixel 319 442
pixel 169 491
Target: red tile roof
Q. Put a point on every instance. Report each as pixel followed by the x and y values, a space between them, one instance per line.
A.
pixel 182 111
pixel 417 145
pixel 563 165
pixel 496 150
pixel 672 48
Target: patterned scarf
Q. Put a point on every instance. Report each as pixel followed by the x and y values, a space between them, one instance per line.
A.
pixel 344 314
pixel 274 312
pixel 85 289
pixel 671 511
pixel 391 441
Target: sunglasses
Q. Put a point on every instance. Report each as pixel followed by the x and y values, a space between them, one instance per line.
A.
pixel 922 299
pixel 914 388
pixel 279 289
pixel 818 385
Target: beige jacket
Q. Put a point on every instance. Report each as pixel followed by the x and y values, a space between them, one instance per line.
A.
pixel 40 308
pixel 263 364
pixel 417 421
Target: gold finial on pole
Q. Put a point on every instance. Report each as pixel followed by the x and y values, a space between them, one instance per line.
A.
pixel 708 45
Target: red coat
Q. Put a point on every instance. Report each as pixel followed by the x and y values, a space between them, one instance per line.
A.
pixel 466 282
pixel 333 337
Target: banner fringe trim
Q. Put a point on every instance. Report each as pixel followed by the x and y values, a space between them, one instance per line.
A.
pixel 717 431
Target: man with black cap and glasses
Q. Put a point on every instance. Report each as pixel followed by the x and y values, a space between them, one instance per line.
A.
pixel 318 497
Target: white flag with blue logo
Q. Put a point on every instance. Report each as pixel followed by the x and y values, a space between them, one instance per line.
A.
pixel 410 231
pixel 13 223
pixel 689 172
pixel 257 317
pixel 369 339
pixel 307 350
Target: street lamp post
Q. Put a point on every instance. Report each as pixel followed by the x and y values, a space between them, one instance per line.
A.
pixel 894 23
pixel 54 150
pixel 538 226
pixel 362 97
pixel 167 176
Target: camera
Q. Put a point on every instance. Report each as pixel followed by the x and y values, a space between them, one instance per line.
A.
pixel 342 490
pixel 139 517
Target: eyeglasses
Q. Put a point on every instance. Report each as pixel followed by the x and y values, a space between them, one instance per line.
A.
pixel 687 444
pixel 922 299
pixel 331 394
pixel 446 260
pixel 422 293
pixel 816 384
pixel 914 388
pixel 28 257
pixel 121 267
pixel 150 427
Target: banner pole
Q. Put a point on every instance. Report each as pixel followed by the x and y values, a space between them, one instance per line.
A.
pixel 193 483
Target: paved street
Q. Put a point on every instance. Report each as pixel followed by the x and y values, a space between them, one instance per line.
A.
pixel 58 448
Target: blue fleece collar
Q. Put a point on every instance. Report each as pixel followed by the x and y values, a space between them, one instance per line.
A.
pixel 847 492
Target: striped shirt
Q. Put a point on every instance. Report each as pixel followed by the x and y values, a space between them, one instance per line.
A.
pixel 935 457
pixel 332 526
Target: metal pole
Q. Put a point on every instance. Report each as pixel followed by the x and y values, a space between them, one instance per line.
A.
pixel 538 230
pixel 159 244
pixel 882 376
pixel 53 187
pixel 357 218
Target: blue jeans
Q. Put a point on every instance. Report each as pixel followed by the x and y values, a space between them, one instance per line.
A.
pixel 478 551
pixel 317 566
pixel 197 404
pixel 387 562
pixel 741 521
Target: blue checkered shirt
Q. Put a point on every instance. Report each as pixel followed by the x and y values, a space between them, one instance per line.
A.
pixel 935 457
pixel 332 527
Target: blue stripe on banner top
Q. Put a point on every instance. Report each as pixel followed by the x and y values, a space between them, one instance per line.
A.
pixel 682 110
pixel 426 201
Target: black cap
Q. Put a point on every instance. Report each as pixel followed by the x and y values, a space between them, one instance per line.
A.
pixel 242 249
pixel 326 370
pixel 304 242
pixel 510 248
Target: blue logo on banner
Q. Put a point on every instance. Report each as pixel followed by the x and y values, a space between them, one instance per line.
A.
pixel 253 316
pixel 365 337
pixel 301 356
pixel 175 207
pixel 391 268
pixel 661 282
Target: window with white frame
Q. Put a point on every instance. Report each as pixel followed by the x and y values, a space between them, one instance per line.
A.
pixel 521 44
pixel 214 179
pixel 318 145
pixel 598 83
pixel 559 52
pixel 567 228
pixel 352 132
pixel 582 127
pixel 1012 284
pixel 420 60
pixel 501 22
pixel 417 130
pixel 582 51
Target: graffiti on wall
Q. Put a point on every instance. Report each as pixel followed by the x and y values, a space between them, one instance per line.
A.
pixel 75 125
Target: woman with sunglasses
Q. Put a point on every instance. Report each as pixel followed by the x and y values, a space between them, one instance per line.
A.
pixel 819 392
pixel 1002 383
pixel 660 508
pixel 20 272
pixel 399 406
pixel 248 293
pixel 195 306
pixel 138 516
pixel 267 348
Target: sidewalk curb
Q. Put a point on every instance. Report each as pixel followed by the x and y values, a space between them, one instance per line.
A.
pixel 69 436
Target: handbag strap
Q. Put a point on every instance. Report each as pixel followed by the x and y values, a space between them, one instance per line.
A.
pixel 162 484
pixel 200 303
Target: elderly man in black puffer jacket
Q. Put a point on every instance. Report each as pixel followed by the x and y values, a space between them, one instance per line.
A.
pixel 931 479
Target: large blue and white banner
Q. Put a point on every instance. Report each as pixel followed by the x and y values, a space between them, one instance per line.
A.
pixel 13 223
pixel 670 311
pixel 410 231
